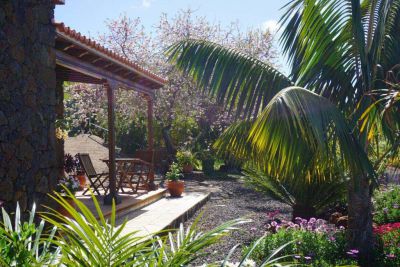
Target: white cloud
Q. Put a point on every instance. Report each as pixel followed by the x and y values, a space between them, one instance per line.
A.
pixel 271 25
pixel 146 3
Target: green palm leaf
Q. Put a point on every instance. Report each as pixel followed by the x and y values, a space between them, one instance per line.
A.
pixel 234 78
pixel 299 135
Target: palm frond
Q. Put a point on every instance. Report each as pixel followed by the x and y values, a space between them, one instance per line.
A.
pixel 234 78
pixel 299 135
pixel 317 41
pixel 181 247
pixel 318 192
pixel 299 126
pixel 88 241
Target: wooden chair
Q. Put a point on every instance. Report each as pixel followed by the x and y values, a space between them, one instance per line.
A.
pixel 138 173
pixel 96 180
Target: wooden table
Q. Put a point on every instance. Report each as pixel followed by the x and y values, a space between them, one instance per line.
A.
pixel 129 169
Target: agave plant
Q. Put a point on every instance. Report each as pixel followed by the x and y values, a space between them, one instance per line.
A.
pixel 25 243
pixel 339 50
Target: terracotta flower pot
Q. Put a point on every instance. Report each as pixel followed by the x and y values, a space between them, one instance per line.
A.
pixel 82 180
pixel 63 211
pixel 175 188
pixel 188 168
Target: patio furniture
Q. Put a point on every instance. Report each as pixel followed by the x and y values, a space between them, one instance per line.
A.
pixel 132 172
pixel 97 180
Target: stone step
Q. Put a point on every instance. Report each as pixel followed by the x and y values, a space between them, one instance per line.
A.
pixel 128 204
pixel 163 214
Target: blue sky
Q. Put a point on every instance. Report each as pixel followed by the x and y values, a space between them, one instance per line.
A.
pixel 88 16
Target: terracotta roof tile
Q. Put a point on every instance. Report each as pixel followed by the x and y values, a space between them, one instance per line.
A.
pixel 61 28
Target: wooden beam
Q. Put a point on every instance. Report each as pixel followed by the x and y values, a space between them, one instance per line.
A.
pixel 111 87
pixel 68 47
pixel 73 63
pixel 108 65
pixel 150 138
pixel 83 54
pixel 96 60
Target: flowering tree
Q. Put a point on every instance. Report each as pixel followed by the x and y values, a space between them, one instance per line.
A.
pixel 178 100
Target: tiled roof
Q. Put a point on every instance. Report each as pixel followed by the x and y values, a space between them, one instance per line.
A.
pixel 61 28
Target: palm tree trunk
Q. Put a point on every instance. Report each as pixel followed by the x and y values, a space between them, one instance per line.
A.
pixel 168 140
pixel 360 220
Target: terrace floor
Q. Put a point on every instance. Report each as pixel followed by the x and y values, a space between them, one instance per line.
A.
pixel 154 211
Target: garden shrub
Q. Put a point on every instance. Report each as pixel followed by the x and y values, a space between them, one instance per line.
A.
pixel 389 244
pixel 313 242
pixel 307 198
pixel 387 205
pixel 24 243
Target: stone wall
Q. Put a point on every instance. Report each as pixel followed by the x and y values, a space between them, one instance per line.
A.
pixel 27 102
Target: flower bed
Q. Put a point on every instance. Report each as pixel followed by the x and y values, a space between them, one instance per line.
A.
pixel 389 243
pixel 387 205
pixel 313 242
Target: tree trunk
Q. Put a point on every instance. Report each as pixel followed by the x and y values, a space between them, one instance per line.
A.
pixel 303 211
pixel 360 235
pixel 168 140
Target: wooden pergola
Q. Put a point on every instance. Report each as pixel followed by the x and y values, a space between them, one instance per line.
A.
pixel 80 59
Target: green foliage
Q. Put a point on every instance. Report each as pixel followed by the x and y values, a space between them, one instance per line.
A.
pixel 322 249
pixel 387 205
pixel 184 246
pixel 299 135
pixel 186 157
pixel 317 193
pixel 26 244
pixel 88 241
pixel 390 249
pixel 232 77
pixel 174 173
pixel 183 130
pixel 131 134
pixel 272 260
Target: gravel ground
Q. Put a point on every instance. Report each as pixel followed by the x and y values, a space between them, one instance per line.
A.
pixel 230 199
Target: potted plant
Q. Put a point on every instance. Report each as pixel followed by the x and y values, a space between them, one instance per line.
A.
pixel 72 167
pixel 186 160
pixel 70 183
pixel 174 184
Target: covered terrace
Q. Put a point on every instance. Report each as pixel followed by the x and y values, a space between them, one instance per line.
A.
pixel 80 59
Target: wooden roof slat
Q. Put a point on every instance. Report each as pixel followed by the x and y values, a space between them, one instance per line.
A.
pixel 68 47
pixel 83 54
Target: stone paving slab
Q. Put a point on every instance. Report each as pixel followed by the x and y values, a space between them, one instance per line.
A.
pixel 163 214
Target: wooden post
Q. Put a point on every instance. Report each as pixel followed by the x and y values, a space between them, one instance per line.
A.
pixel 150 138
pixel 150 123
pixel 113 194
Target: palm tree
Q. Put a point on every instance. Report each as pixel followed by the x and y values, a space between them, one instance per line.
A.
pixel 339 50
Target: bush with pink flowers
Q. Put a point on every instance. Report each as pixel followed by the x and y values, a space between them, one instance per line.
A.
pixel 314 242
